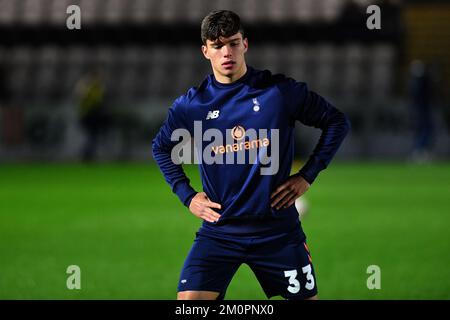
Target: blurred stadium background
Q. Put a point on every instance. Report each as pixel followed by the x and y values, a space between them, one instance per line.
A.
pixel 385 200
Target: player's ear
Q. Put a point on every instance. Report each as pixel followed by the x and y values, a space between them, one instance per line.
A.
pixel 245 43
pixel 205 51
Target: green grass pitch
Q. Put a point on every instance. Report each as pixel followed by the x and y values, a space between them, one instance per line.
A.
pixel 129 234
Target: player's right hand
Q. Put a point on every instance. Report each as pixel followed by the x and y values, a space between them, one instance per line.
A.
pixel 201 207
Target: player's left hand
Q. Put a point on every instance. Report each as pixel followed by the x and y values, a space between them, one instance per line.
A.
pixel 285 195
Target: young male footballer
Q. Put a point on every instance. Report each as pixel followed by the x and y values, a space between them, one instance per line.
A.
pixel 238 116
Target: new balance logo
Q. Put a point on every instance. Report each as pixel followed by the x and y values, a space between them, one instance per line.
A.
pixel 212 114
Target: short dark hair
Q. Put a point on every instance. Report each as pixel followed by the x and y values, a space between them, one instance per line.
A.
pixel 220 23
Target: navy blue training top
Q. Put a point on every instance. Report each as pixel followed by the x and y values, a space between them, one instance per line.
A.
pixel 258 102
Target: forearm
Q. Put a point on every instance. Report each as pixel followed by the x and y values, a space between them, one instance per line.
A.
pixel 335 127
pixel 173 173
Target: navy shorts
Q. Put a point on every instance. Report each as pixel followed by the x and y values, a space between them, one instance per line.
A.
pixel 281 263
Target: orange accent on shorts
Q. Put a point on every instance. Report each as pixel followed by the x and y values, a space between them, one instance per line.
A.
pixel 306 247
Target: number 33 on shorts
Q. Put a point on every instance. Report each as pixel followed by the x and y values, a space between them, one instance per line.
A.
pixel 294 284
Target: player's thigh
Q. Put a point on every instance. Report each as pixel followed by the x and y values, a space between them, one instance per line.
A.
pixel 209 266
pixel 284 267
pixel 197 295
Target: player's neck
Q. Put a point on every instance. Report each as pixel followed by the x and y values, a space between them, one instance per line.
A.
pixel 231 78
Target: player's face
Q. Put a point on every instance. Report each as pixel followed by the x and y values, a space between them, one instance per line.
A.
pixel 227 54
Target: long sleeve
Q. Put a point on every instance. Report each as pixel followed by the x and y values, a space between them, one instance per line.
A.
pixel 162 146
pixel 313 110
